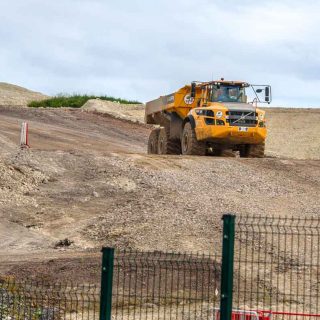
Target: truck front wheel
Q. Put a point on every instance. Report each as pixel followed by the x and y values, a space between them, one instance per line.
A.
pixel 189 143
pixel 252 151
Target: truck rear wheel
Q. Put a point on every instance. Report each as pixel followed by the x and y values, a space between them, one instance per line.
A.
pixel 189 143
pixel 162 141
pixel 252 151
pixel 166 145
pixel 153 141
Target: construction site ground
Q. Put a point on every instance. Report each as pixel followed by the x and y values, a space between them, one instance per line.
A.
pixel 87 178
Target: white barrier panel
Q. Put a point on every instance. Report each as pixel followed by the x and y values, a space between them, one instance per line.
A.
pixel 24 143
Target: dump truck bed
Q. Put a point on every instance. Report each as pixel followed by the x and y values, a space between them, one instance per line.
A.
pixel 174 102
pixel 160 104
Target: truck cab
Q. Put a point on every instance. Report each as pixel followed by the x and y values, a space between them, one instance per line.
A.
pixel 225 119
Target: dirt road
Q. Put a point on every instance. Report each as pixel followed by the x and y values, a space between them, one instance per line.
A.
pixel 87 178
pixel 71 130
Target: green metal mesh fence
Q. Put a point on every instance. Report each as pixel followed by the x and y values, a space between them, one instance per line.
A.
pixel 276 274
pixel 277 266
pixel 31 300
pixel 157 285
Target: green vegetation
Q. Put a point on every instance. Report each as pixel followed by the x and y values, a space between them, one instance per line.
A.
pixel 73 101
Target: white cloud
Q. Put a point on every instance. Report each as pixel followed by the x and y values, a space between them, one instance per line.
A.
pixel 142 49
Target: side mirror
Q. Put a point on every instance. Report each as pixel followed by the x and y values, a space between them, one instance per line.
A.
pixel 193 90
pixel 267 94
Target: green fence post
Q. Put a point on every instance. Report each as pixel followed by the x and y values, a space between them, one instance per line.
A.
pixel 106 283
pixel 227 266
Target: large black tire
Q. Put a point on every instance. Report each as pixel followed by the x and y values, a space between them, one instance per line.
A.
pixel 252 151
pixel 189 143
pixel 257 150
pixel 162 141
pixel 166 145
pixel 153 141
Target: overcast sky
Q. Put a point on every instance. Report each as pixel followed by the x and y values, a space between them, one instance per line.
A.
pixel 140 49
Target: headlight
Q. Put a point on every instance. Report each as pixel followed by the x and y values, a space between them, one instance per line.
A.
pixel 219 114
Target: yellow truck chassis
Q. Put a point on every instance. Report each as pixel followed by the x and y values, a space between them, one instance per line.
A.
pixel 208 118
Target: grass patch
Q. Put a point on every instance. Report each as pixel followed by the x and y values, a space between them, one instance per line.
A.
pixel 74 101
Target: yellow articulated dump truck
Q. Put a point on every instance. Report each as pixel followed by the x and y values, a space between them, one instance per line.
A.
pixel 206 118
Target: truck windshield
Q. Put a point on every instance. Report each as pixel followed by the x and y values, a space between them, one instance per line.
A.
pixel 228 94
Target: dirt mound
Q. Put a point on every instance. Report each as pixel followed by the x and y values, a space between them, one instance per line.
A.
pixel 19 179
pixel 13 95
pixel 131 112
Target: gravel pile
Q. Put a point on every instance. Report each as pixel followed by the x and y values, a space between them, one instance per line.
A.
pixel 18 179
pixel 177 202
pixel 130 112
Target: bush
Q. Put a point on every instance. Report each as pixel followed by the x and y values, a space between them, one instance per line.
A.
pixel 73 101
